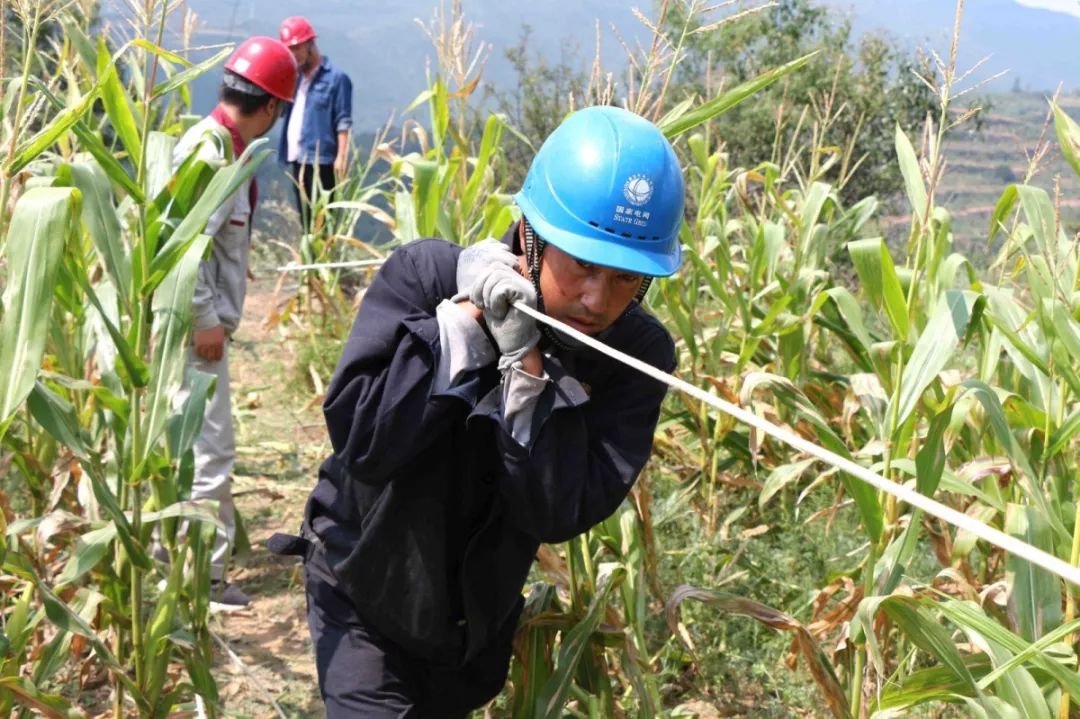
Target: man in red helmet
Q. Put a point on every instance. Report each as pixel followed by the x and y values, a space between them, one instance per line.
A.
pixel 259 79
pixel 319 122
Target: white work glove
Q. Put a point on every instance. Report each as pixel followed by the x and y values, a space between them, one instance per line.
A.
pixel 476 260
pixel 495 291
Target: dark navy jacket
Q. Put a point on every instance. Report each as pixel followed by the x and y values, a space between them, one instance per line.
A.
pixel 328 111
pixel 429 512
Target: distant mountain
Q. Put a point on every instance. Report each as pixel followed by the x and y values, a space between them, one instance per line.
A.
pixel 386 52
pixel 1033 40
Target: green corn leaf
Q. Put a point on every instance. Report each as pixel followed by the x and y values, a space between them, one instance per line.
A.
pixel 878 275
pixel 675 113
pixel 426 194
pixel 405 216
pixel 782 476
pixel 970 616
pixel 851 313
pixel 1041 217
pixel 167 55
pixel 57 416
pixel 28 150
pixel 1061 439
pixel 90 142
pixel 159 170
pixel 189 74
pixel 1004 207
pixel 958 311
pixel 159 630
pixel 1016 687
pixel 90 549
pixel 812 206
pixel 136 369
pixel 100 219
pixel 489 141
pixel 182 429
pixel 999 425
pixel 914 185
pixel 225 182
pixel 62 616
pixel 172 320
pixel 1035 594
pixel 930 468
pixel 1067 329
pixel 39 229
pixel 120 524
pixel 920 629
pixel 1039 648
pixel 575 644
pixel 936 684
pixel 719 105
pixel 1068 135
pixel 50 661
pixel 118 107
pixel 202 679
pixel 52 706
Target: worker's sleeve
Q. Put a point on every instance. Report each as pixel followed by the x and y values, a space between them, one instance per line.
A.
pixel 521 395
pixel 342 109
pixel 585 452
pixel 203 304
pixel 381 409
pixel 204 310
pixel 464 345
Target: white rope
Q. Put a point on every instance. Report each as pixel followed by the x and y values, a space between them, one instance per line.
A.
pixel 983 531
pixel 293 267
pixel 932 507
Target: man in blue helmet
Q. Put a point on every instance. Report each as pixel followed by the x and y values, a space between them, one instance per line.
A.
pixel 464 435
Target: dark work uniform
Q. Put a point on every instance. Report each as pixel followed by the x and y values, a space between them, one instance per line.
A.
pixel 427 518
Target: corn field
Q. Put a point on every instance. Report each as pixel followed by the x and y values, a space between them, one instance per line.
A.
pixel 960 381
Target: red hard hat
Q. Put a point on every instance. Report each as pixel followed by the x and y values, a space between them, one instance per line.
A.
pixel 295 30
pixel 265 62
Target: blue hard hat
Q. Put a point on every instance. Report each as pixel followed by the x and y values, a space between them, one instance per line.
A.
pixel 606 187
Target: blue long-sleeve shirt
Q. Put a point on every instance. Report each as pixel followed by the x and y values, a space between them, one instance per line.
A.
pixel 327 111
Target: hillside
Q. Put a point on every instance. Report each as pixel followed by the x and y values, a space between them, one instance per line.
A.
pixel 982 163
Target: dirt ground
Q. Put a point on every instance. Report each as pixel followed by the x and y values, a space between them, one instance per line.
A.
pixel 280 442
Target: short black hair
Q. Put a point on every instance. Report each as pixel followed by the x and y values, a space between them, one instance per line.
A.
pixel 242 94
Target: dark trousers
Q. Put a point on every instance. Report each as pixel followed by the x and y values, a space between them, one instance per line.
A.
pixel 362 674
pixel 304 177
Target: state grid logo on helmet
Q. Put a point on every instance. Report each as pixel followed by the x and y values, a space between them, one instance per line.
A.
pixel 638 189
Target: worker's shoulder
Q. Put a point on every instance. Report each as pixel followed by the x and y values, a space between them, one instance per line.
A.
pixel 428 249
pixel 429 259
pixel 646 337
pixel 334 72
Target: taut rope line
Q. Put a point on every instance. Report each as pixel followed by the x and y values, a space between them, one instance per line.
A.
pixel 932 507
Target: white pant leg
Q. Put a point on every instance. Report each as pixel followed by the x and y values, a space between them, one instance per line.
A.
pixel 215 454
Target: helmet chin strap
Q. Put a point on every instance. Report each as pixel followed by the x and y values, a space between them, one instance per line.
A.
pixel 534 252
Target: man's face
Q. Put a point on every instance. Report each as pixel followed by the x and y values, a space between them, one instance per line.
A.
pixel 587 297
pixel 303 55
